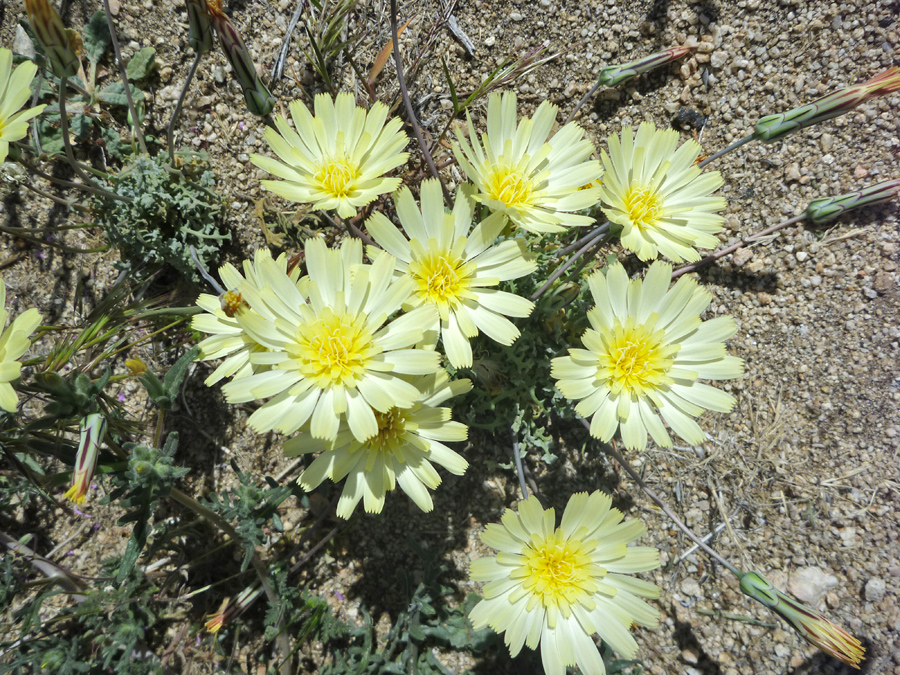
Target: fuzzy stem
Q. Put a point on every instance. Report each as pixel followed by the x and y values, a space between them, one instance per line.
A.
pixel 593 240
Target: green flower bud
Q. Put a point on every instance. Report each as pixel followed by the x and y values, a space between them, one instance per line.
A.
pixel 827 208
pixel 613 75
pixel 54 38
pixel 200 29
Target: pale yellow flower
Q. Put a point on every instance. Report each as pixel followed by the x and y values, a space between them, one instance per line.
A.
pixel 558 586
pixel 330 351
pixel 335 160
pixel 535 180
pixel 14 343
pixel 227 339
pixel 15 90
pixel 646 351
pixel 408 443
pixel 658 196
pixel 455 268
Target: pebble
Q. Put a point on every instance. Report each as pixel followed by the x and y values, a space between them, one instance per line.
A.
pixel 218 73
pixel 801 255
pixel 875 589
pixel 490 41
pixel 894 570
pixel 690 655
pixel 516 16
pixel 689 586
pixel 809 584
pixel 718 59
pixel 742 256
pixel 22 44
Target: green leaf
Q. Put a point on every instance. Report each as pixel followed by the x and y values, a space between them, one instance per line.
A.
pixel 96 36
pixel 174 377
pixel 114 94
pixel 142 64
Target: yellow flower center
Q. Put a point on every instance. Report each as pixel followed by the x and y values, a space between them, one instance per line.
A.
pixel 390 437
pixel 558 573
pixel 334 350
pixel 637 358
pixel 644 206
pixel 509 185
pixel 442 279
pixel 336 177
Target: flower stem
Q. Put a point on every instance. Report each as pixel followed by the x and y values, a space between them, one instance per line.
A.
pixel 409 109
pixel 612 452
pixel 170 131
pixel 592 240
pixel 725 151
pixel 734 247
pixel 121 66
pixel 520 470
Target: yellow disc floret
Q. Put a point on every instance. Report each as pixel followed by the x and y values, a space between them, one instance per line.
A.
pixel 558 573
pixel 643 205
pixel 336 177
pixel 637 358
pixel 509 185
pixel 334 350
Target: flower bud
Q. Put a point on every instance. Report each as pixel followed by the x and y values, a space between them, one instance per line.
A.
pixel 91 431
pixel 810 624
pixel 613 75
pixel 774 127
pixel 826 208
pixel 200 32
pixel 54 38
pixel 259 99
pixel 230 608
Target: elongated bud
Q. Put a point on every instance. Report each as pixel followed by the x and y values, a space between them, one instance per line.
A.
pixel 826 208
pixel 200 29
pixel 91 431
pixel 54 38
pixel 259 99
pixel 774 127
pixel 810 624
pixel 613 75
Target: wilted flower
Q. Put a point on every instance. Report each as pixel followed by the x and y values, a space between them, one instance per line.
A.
pixel 535 180
pixel 646 350
pixel 231 608
pixel 826 208
pixel 227 339
pixel 613 75
pixel 257 96
pixel 810 624
pixel 91 430
pixel 335 160
pixel 454 269
pixel 403 451
pixel 53 36
pixel 14 343
pixel 775 127
pixel 661 200
pixel 558 586
pixel 15 90
pixel 330 350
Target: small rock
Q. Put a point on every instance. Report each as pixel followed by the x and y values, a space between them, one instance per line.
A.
pixel 218 73
pixel 792 172
pixel 114 7
pixel 801 255
pixel 23 44
pixel 690 655
pixel 875 589
pixel 516 16
pixel 860 171
pixel 827 142
pixel 490 41
pixel 742 257
pixel 765 299
pixel 718 59
pixel 689 586
pixel 165 74
pixel 809 584
pixel 882 282
pixel 894 570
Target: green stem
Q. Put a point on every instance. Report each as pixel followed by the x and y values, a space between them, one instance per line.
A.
pixel 121 66
pixel 725 151
pixel 170 131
